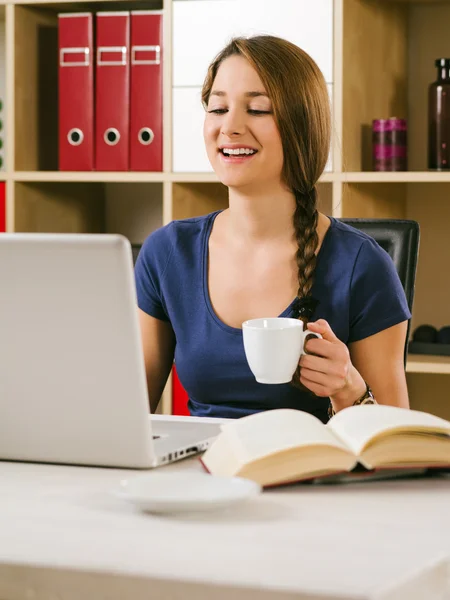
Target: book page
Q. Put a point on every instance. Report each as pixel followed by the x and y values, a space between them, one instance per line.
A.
pixel 271 431
pixel 357 425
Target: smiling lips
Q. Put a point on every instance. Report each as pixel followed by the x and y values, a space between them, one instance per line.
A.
pixel 237 154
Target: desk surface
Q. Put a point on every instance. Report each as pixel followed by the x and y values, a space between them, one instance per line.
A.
pixel 63 536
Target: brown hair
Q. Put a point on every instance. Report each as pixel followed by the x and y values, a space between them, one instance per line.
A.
pixel 301 110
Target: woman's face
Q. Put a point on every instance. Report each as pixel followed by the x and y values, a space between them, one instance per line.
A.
pixel 242 140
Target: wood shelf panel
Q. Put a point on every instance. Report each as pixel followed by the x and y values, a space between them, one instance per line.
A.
pixel 374 200
pixel 429 392
pixel 89 176
pixel 425 363
pixel 131 209
pixel 395 177
pixel 35 89
pixel 59 208
pixel 130 176
pixel 195 199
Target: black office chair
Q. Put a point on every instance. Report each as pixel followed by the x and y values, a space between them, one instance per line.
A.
pixel 400 238
pixel 135 249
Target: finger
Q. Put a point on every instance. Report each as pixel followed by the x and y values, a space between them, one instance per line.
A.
pixel 315 388
pixel 318 347
pixel 314 377
pixel 321 326
pixel 314 363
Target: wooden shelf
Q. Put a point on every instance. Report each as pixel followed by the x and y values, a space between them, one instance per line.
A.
pixel 127 177
pixel 134 176
pixel 425 363
pixel 395 177
pixel 88 176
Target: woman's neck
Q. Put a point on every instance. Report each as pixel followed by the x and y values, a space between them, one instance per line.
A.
pixel 260 216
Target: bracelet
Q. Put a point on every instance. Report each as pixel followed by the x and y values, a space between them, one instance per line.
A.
pixel 366 398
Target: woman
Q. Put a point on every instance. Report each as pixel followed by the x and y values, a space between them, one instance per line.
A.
pixel 271 253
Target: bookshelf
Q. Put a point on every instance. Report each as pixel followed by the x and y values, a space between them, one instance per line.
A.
pixel 382 60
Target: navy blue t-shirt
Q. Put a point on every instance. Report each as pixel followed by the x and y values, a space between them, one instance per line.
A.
pixel 355 281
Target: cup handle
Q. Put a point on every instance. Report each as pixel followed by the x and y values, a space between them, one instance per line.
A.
pixel 308 334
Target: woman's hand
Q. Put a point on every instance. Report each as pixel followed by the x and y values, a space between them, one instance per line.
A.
pixel 330 372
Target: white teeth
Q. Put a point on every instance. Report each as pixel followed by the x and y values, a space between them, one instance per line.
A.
pixel 236 151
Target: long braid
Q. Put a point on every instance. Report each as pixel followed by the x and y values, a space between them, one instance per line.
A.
pixel 305 226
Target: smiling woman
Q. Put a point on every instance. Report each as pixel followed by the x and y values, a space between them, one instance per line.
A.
pixel 234 106
pixel 270 254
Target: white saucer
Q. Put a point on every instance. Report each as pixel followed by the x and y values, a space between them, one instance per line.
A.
pixel 185 492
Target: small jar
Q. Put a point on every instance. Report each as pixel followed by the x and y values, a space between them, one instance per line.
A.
pixel 389 144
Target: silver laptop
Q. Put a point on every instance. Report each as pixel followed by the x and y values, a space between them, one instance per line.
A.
pixel 72 379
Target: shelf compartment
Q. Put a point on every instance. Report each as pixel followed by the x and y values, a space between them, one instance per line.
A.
pixel 196 199
pixel 131 209
pixel 430 207
pixel 36 82
pixel 36 79
pixel 428 391
pixel 374 74
pixel 387 72
pixel 59 208
pixel 374 200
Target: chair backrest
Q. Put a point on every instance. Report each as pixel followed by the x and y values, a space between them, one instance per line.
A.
pixel 400 238
pixel 135 249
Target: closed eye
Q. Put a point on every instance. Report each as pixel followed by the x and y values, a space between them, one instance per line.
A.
pixel 259 112
pixel 254 112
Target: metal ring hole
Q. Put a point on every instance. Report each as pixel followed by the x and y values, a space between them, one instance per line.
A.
pixel 146 136
pixel 75 137
pixel 111 136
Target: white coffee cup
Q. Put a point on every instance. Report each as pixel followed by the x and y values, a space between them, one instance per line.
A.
pixel 273 347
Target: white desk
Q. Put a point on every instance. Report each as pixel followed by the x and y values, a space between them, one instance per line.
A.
pixel 63 537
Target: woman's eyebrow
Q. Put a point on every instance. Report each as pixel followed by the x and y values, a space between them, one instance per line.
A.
pixel 254 94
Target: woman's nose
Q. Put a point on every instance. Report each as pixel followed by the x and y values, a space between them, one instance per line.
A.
pixel 233 123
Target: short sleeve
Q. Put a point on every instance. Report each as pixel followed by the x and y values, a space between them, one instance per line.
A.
pixel 377 297
pixel 149 271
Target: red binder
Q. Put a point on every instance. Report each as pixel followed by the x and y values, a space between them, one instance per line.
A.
pixel 76 92
pixel 146 91
pixel 112 91
pixel 2 207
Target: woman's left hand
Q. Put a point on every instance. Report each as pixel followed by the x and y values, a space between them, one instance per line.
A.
pixel 328 370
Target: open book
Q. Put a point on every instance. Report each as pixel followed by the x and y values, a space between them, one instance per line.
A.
pixel 285 445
